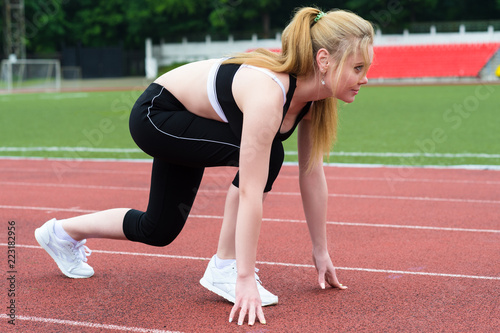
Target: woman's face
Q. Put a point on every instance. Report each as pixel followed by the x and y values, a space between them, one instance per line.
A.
pixel 353 76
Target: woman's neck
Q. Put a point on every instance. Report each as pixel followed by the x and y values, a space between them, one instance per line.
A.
pixel 310 89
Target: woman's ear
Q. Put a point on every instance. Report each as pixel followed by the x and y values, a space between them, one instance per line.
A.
pixel 323 60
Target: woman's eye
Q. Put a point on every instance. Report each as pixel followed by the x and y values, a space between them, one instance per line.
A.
pixel 358 68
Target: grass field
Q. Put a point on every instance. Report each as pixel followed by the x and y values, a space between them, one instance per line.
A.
pixel 403 125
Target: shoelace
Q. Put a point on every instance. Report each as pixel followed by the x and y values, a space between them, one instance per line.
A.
pixel 82 251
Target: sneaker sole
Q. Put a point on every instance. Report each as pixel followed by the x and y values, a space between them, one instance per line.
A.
pixel 41 241
pixel 221 293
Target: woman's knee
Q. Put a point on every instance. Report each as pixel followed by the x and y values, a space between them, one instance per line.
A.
pixel 139 227
pixel 160 239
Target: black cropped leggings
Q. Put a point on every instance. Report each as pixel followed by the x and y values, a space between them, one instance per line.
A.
pixel 182 144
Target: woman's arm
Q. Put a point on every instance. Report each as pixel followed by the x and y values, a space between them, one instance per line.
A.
pixel 313 189
pixel 314 192
pixel 261 103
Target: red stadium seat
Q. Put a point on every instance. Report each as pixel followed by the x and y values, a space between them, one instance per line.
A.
pixel 428 60
pixel 421 61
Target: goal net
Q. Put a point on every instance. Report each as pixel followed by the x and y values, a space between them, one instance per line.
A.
pixel 30 75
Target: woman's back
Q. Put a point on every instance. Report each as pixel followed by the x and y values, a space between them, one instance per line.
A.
pixel 188 84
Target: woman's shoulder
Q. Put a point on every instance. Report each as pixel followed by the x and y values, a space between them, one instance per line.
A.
pixel 260 86
pixel 254 75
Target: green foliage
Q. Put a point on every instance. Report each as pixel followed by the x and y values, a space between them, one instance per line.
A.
pixel 51 24
pixel 44 25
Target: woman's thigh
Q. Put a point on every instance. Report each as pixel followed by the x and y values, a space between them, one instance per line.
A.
pixel 184 138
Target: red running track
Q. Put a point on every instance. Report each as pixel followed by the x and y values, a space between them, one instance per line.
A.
pixel 419 249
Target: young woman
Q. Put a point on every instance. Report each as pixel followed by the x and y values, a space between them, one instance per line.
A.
pixel 235 112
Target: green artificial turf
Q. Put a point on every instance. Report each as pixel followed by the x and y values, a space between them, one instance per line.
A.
pixel 402 125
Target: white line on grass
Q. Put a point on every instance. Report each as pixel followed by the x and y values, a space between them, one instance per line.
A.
pixel 54 96
pixel 340 153
pixel 480 167
pixel 371 270
pixel 351 224
pixel 70 149
pixel 65 95
pixel 432 155
pixel 86 324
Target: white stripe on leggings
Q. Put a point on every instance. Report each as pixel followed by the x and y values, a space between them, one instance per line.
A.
pixel 180 137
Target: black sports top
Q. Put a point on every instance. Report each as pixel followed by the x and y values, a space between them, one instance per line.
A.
pixel 223 88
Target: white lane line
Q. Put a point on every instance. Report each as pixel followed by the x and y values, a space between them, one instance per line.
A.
pixel 416 154
pixel 230 174
pixel 394 197
pixel 215 191
pixel 390 271
pixel 71 169
pixel 71 149
pixel 292 153
pixel 192 216
pixel 387 179
pixel 401 179
pixel 86 324
pixel 357 224
pixel 84 186
pixel 371 270
pixel 470 167
pixel 50 209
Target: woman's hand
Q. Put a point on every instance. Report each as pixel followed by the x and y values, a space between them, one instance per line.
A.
pixel 326 271
pixel 247 301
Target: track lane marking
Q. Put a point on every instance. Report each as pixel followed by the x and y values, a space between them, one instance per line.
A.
pixel 230 175
pixel 289 152
pixel 87 324
pixel 90 187
pixel 391 177
pixel 359 224
pixel 371 270
pixel 352 224
pixel 394 197
pixel 215 191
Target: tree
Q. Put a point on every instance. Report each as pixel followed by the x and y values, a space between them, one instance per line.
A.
pixel 51 24
pixel 44 24
pixel 228 14
pixel 393 15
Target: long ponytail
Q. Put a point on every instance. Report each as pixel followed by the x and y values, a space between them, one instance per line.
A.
pixel 340 32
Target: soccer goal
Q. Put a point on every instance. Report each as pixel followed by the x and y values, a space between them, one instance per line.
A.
pixel 30 75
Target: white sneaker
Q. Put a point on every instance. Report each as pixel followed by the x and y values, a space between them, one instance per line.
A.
pixel 223 283
pixel 70 258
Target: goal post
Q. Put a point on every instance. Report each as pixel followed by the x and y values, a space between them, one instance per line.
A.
pixel 30 75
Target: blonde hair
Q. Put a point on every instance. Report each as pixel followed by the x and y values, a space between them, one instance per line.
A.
pixel 342 34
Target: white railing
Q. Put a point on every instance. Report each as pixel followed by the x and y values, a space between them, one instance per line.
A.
pixel 168 53
pixel 434 37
